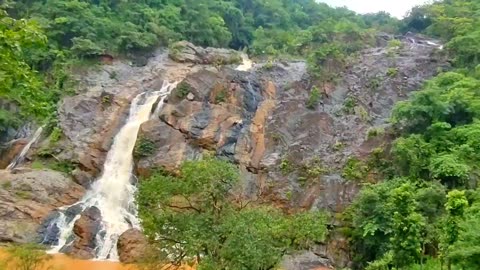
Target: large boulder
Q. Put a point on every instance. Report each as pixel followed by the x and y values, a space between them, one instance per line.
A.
pixel 85 230
pixel 131 246
pixel 27 197
pixel 186 52
pixel 306 261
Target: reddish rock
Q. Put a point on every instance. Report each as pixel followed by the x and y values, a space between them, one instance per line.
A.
pixel 11 151
pixel 131 246
pixel 85 230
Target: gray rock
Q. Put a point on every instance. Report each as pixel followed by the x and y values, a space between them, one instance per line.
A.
pixel 190 96
pixel 185 51
pixel 28 197
pixel 306 261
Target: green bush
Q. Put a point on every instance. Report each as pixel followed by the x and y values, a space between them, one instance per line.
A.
pixel 314 98
pixel 191 215
pixel 144 148
pixel 221 96
pixel 355 170
pixel 182 90
pixel 349 105
pixel 392 72
pixel 375 132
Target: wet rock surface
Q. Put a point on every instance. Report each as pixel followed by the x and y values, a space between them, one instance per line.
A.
pixel 27 197
pixel 256 118
pixel 132 246
pixel 10 151
pixel 259 120
pixel 85 230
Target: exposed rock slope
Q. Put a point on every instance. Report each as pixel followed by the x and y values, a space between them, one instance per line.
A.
pixel 288 154
pixel 27 197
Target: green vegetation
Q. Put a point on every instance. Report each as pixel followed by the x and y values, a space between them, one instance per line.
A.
pixel 392 72
pixel 192 216
pixel 314 98
pixel 355 170
pixel 182 90
pixel 221 96
pixel 310 171
pixel 7 185
pixel 425 212
pixel 144 147
pixel 349 105
pixel 286 166
pixel 375 132
pixel 44 40
pixel 25 257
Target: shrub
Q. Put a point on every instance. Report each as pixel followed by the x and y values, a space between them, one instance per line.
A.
pixel 144 148
pixel 182 90
pixel 392 72
pixel 221 96
pixel 349 105
pixel 55 135
pixel 394 43
pixel 355 170
pixel 313 99
pixel 375 132
pixel 286 166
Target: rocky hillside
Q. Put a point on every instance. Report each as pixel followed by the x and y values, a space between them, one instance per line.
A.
pixel 291 154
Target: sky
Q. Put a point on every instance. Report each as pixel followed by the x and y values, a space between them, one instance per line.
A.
pixel 397 8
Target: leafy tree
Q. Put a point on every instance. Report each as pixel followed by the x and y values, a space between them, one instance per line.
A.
pixel 193 215
pixel 19 83
pixel 465 251
pixel 455 207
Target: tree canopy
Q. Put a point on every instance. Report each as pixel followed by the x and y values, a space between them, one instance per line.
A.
pixel 195 215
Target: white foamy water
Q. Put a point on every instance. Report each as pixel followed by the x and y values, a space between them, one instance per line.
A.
pixel 25 149
pixel 113 193
pixel 246 63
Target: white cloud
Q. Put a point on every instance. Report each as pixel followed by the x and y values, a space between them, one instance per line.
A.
pixel 397 8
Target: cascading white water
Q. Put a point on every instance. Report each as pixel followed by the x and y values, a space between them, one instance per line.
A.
pixel 113 193
pixel 25 149
pixel 246 65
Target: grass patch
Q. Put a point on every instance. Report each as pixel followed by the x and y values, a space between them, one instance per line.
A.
pixel 375 132
pixel 144 148
pixel 355 170
pixel 349 105
pixel 392 72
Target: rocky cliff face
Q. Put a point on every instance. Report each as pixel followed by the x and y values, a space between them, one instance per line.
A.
pixel 290 154
pixel 27 197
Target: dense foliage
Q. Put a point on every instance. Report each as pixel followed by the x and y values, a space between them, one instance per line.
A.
pixel 195 215
pixel 425 215
pixel 40 39
pixel 454 21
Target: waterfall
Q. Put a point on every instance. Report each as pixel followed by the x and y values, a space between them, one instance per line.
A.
pixel 113 193
pixel 25 149
pixel 247 64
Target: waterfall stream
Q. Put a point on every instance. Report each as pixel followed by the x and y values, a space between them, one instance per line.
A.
pixel 25 149
pixel 113 193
